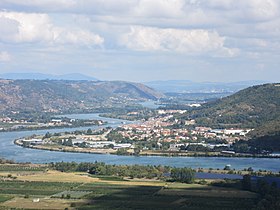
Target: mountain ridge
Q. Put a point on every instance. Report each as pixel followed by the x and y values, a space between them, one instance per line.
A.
pixel 188 86
pixel 254 107
pixel 41 76
pixel 63 95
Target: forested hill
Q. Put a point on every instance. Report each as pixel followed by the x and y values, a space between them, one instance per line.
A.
pixel 61 95
pixel 256 106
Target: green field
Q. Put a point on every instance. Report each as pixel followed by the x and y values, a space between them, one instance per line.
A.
pixel 71 194
pixel 109 178
pixel 4 198
pixel 105 195
pixel 34 188
pixel 60 190
pixel 151 197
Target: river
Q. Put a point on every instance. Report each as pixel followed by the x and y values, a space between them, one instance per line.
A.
pixel 11 151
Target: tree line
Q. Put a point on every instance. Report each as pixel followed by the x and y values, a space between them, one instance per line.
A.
pixel 269 193
pixel 185 175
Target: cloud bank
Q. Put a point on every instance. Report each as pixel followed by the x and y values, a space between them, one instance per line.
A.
pixel 183 41
pixel 33 27
pixel 215 37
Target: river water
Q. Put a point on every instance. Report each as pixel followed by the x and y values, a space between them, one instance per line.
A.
pixel 11 151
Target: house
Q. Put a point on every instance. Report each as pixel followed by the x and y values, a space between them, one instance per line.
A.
pixel 77 141
pixel 122 145
pixel 56 120
pixel 99 144
pixel 175 147
pixel 233 131
pixel 28 142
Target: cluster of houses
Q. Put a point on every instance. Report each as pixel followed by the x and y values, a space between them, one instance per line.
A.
pixel 161 129
pixel 21 124
pixel 178 147
pixel 230 135
pixel 101 144
pixel 10 121
pixel 154 128
pixel 88 141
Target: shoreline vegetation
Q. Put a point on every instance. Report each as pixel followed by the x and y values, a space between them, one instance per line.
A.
pixel 59 148
pixel 55 125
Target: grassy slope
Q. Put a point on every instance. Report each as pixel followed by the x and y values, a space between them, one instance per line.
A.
pixel 253 107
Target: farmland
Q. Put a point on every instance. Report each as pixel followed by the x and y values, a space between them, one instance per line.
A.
pixel 50 189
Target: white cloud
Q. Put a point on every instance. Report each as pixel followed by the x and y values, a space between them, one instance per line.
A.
pixel 249 10
pixel 158 13
pixel 8 28
pixel 248 30
pixel 270 29
pixel 219 4
pixel 69 6
pixel 4 56
pixel 262 9
pixel 34 27
pixel 154 8
pixel 175 40
pixel 159 8
pixel 50 5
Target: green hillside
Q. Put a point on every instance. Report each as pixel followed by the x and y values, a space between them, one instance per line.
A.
pixel 254 107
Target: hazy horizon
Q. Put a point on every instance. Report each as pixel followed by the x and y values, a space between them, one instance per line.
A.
pixel 38 75
pixel 141 41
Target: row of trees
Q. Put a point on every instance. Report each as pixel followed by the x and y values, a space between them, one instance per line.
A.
pixel 97 168
pixel 185 175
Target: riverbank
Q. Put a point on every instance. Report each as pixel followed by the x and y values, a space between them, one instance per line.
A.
pixel 35 128
pixel 65 148
pixel 131 152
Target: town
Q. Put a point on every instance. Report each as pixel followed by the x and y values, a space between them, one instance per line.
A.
pixel 162 133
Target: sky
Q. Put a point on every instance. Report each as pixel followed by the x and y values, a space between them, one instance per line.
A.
pixel 143 40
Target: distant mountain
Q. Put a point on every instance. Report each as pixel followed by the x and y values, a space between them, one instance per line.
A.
pixel 40 76
pixel 62 95
pixel 187 86
pixel 255 107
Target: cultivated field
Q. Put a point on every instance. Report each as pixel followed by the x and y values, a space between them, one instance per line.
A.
pixel 58 190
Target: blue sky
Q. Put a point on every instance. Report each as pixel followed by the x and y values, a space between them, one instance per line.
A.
pixel 143 40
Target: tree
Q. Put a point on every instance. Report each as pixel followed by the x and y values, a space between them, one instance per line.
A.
pixel 89 131
pixel 246 182
pixel 122 151
pixel 47 135
pixel 262 187
pixel 185 175
pixel 137 151
pixel 68 142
